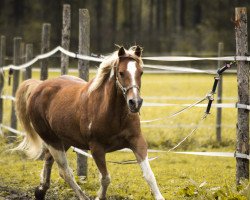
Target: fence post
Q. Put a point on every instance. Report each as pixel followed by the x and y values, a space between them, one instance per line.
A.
pixel 65 38
pixel 219 95
pixel 45 46
pixel 17 61
pixel 29 56
pixel 23 59
pixel 2 63
pixel 83 67
pixel 242 144
pixel 84 43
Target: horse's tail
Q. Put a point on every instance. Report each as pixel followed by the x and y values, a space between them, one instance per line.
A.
pixel 32 144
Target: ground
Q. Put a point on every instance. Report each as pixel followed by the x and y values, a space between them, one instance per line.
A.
pixel 179 176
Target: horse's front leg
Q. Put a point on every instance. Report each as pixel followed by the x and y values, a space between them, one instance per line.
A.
pixel 139 147
pixel 99 156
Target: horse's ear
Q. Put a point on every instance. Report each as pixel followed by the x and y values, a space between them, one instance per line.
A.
pixel 121 52
pixel 138 51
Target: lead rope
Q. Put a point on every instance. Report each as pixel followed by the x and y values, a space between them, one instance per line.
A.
pixel 177 112
pixel 210 101
pixel 190 134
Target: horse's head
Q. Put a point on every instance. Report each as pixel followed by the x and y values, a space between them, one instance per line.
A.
pixel 128 77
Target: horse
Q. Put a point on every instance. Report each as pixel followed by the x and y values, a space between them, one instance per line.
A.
pixel 101 115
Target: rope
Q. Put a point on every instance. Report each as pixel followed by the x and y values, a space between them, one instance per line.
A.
pixel 219 154
pixel 186 58
pixel 8 97
pixel 90 58
pixel 170 126
pixel 152 104
pixel 180 98
pixel 190 134
pixel 48 54
pixel 176 113
pixel 11 129
pixel 125 162
pixel 179 69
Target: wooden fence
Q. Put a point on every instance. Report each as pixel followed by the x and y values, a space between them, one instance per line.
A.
pixel 19 54
pixel 83 68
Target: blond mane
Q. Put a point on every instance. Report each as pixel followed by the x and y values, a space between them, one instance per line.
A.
pixel 107 65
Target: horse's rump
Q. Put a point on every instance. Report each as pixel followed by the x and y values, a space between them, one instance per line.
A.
pixel 54 110
pixel 39 104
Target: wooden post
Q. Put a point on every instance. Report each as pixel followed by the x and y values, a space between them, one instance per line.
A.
pixel 17 61
pixel 29 56
pixel 65 38
pixel 83 67
pixel 45 46
pixel 2 63
pixel 219 95
pixel 84 42
pixel 23 60
pixel 242 145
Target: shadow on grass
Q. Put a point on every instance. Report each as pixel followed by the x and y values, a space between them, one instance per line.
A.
pixel 9 193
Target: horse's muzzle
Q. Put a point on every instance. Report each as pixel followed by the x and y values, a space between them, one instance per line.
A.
pixel 135 104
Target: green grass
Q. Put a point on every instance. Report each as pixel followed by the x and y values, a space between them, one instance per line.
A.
pixel 177 175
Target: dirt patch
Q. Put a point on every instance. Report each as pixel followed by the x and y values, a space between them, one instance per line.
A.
pixel 7 193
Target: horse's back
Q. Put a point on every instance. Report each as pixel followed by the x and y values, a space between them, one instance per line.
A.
pixel 72 78
pixel 62 91
pixel 62 83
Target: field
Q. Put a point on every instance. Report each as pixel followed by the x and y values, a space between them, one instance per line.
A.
pixel 179 176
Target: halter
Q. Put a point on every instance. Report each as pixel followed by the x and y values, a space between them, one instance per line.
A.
pixel 125 89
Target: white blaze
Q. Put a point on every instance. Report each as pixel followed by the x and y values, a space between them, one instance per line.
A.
pixel 131 67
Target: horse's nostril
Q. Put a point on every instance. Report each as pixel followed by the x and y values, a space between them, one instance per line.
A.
pixel 131 102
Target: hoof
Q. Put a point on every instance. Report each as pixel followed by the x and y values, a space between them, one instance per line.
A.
pixel 40 193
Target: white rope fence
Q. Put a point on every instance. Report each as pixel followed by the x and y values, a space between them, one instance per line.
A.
pixel 165 58
pixel 153 104
pixel 48 54
pixel 216 154
pixel 186 58
pixel 169 68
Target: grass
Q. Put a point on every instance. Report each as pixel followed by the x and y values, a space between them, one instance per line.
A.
pixel 179 176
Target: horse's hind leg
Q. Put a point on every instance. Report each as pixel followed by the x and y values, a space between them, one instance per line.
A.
pixel 65 171
pixel 45 176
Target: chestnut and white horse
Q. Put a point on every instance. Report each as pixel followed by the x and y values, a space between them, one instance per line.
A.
pixel 100 115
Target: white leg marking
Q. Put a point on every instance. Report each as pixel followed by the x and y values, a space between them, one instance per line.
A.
pixel 66 173
pixel 150 178
pixel 131 67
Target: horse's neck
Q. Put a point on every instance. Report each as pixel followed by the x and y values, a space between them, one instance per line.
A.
pixel 113 97
pixel 114 93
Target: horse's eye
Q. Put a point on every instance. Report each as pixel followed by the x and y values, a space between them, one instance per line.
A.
pixel 141 73
pixel 121 74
